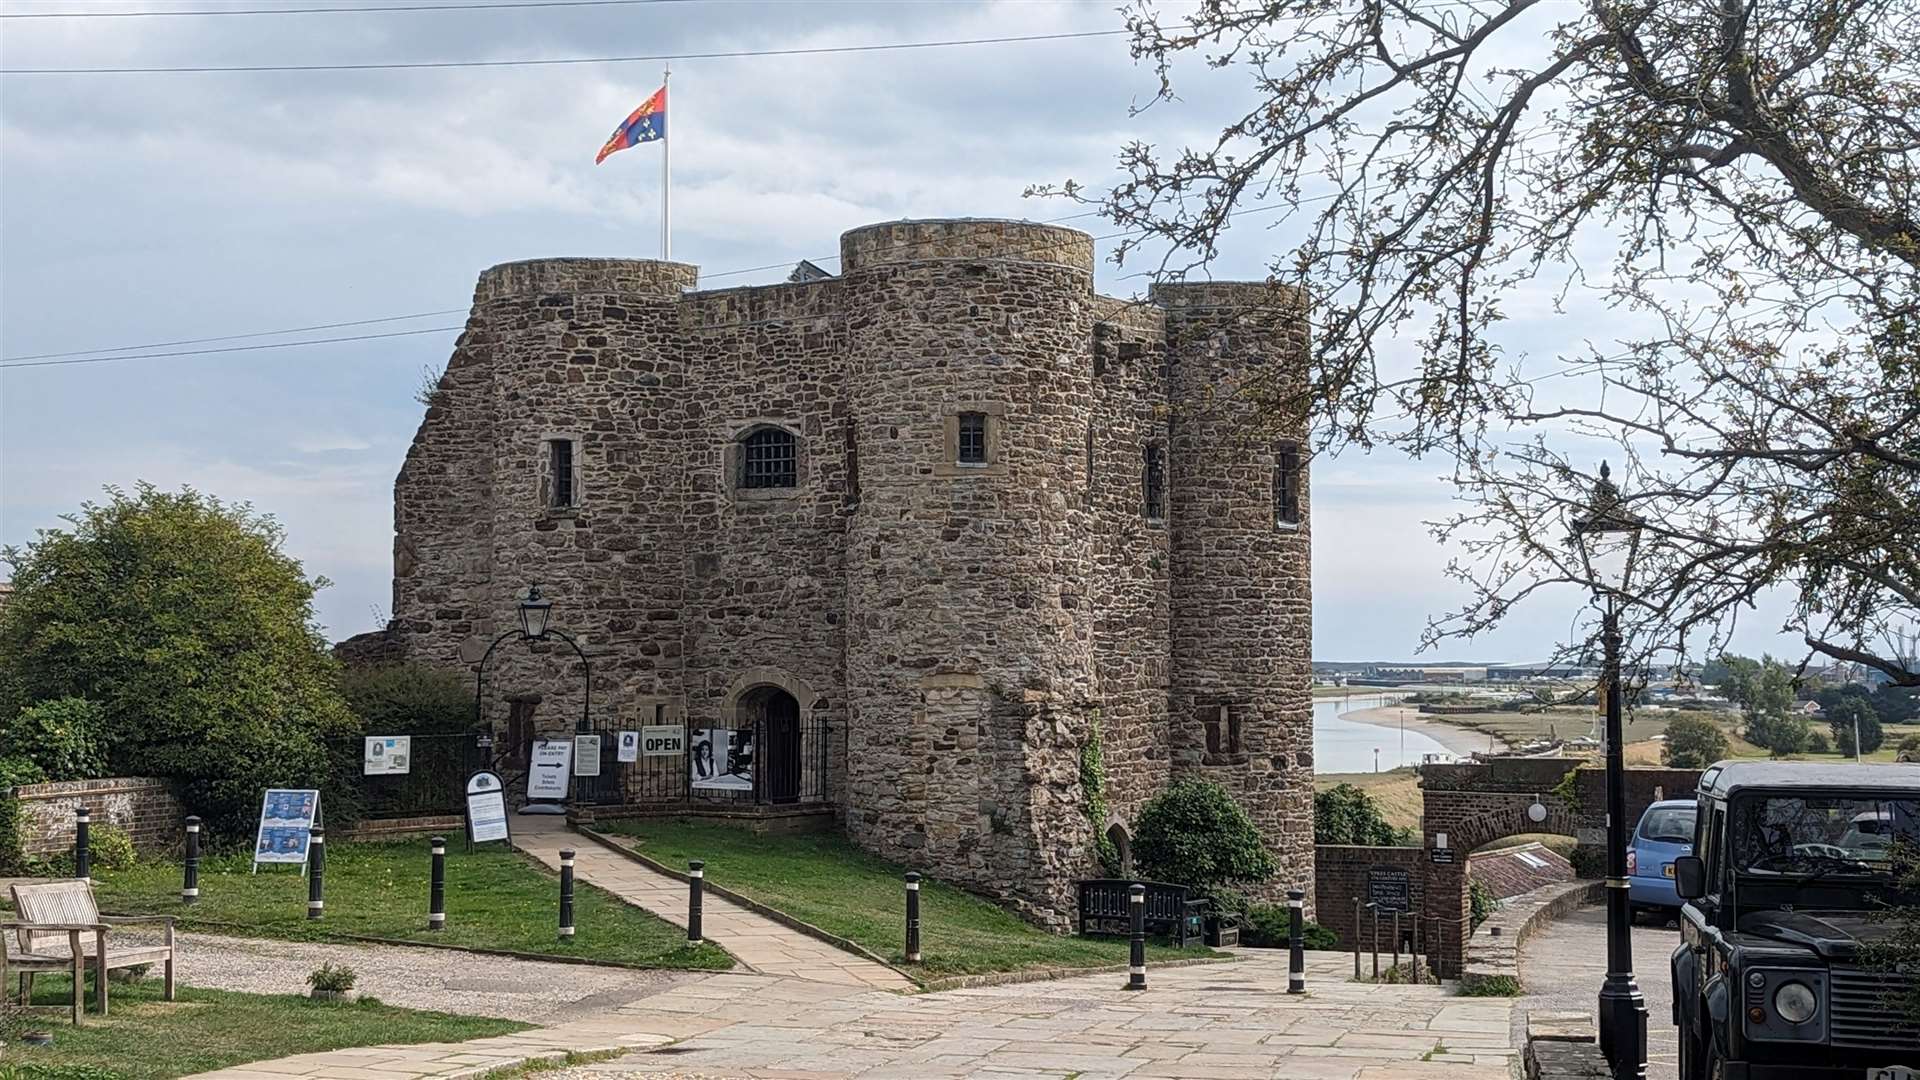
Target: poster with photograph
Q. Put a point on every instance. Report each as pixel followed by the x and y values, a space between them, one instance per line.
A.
pixel 586 755
pixel 286 826
pixel 387 755
pixel 721 759
pixel 628 748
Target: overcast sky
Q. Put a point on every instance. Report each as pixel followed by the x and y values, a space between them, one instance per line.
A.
pixel 154 208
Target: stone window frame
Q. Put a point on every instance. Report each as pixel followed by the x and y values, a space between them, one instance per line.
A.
pixel 949 463
pixel 545 481
pixel 733 458
pixel 1225 742
pixel 1153 489
pixel 1288 512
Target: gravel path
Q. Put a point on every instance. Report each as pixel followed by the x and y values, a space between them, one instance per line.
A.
pixel 420 978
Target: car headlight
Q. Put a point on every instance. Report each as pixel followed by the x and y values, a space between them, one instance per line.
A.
pixel 1795 1003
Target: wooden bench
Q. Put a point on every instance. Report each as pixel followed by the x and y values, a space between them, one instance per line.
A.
pixel 63 913
pixel 1106 910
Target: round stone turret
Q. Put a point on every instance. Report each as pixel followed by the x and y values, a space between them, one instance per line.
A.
pixel 964 238
pixel 648 278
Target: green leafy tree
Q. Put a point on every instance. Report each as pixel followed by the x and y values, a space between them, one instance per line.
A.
pixel 1779 734
pixel 1817 743
pixel 1194 834
pixel 1843 717
pixel 64 737
pixel 1896 705
pixel 1344 814
pixel 181 618
pixel 1693 742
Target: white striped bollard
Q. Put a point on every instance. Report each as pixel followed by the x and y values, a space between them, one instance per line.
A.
pixel 190 883
pixel 437 884
pixel 1137 951
pixel 316 872
pixel 82 845
pixel 696 889
pixel 913 917
pixel 566 894
pixel 1296 942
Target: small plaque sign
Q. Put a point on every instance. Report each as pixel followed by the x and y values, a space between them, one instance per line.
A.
pixel 486 808
pixel 668 740
pixel 1390 890
pixel 627 749
pixel 1441 856
pixel 387 755
pixel 586 755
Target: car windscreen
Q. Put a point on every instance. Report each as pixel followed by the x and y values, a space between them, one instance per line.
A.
pixel 1800 835
pixel 1668 824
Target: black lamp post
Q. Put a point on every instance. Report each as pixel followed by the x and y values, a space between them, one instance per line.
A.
pixel 1608 540
pixel 535 616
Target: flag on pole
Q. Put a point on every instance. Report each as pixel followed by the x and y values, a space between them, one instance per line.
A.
pixel 648 123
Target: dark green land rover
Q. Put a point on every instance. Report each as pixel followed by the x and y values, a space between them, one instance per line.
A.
pixel 1774 976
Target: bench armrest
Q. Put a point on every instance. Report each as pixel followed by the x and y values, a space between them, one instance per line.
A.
pixel 122 920
pixel 60 926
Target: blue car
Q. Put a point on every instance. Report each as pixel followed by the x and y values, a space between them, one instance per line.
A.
pixel 1665 833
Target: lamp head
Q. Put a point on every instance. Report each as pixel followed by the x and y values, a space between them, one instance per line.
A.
pixel 534 612
pixel 1608 537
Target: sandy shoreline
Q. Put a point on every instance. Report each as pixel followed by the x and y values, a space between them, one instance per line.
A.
pixel 1459 740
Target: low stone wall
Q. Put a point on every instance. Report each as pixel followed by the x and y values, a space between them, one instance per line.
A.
pixel 144 807
pixel 1561 1046
pixel 1494 949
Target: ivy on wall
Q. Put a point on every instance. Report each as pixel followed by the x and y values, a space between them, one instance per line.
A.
pixel 1093 790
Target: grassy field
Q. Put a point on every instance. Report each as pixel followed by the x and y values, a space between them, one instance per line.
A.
pixel 496 899
pixel 1396 792
pixel 145 1038
pixel 824 880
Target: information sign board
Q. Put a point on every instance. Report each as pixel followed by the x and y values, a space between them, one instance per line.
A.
pixel 486 808
pixel 286 826
pixel 627 749
pixel 552 766
pixel 667 740
pixel 387 755
pixel 586 755
pixel 1390 890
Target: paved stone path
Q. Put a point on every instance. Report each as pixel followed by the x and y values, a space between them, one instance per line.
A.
pixel 758 942
pixel 1216 1020
pixel 1562 966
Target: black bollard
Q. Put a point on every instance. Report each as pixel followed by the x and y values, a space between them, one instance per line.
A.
pixel 1137 954
pixel 190 885
pixel 437 888
pixel 82 845
pixel 696 890
pixel 1296 942
pixel 913 918
pixel 566 893
pixel 316 873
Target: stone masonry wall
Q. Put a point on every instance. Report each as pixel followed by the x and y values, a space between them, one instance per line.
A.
pixel 959 628
pixel 144 808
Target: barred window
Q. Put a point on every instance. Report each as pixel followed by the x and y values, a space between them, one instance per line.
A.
pixel 768 460
pixel 1286 485
pixel 973 438
pixel 1154 482
pixel 560 491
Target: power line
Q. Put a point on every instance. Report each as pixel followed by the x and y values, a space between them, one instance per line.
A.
pixel 419 65
pixel 230 348
pixel 232 337
pixel 498 5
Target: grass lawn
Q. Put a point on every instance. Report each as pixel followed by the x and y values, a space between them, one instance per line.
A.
pixel 823 879
pixel 1396 792
pixel 145 1038
pixel 496 899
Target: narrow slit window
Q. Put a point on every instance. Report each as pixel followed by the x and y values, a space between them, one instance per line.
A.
pixel 560 487
pixel 973 438
pixel 1154 482
pixel 1286 485
pixel 768 460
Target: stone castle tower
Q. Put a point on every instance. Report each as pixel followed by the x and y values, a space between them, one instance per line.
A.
pixel 923 527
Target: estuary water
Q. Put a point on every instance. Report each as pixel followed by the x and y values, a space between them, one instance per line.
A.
pixel 1347 746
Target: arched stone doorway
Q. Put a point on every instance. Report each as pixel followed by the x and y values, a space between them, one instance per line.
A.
pixel 775 716
pixel 1122 846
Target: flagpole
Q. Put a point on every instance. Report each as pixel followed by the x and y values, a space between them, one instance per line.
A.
pixel 666 181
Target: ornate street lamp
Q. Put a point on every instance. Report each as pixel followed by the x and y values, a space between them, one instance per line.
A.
pixel 535 625
pixel 1608 542
pixel 533 614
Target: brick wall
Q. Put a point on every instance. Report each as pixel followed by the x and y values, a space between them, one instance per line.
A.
pixel 1341 874
pixel 145 808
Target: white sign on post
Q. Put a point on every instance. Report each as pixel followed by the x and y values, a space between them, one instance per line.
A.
pixel 486 808
pixel 586 755
pixel 387 755
pixel 664 741
pixel 286 826
pixel 628 748
pixel 552 765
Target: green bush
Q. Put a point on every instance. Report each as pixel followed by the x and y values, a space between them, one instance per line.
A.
pixel 14 771
pixel 66 737
pixel 1490 986
pixel 1909 746
pixel 1268 926
pixel 408 699
pixel 110 848
pixel 1344 814
pixel 1845 714
pixel 1194 834
pixel 331 978
pixel 1779 733
pixel 182 619
pixel 1693 742
pixel 1481 902
pixel 1817 744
